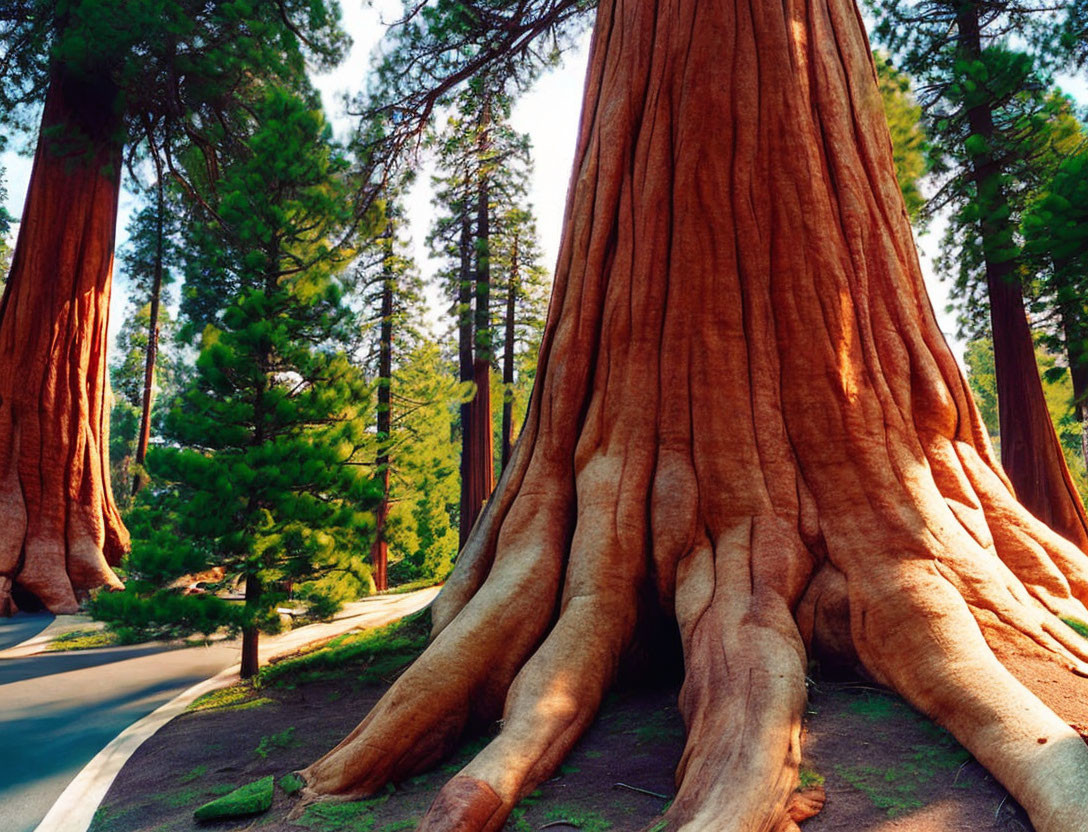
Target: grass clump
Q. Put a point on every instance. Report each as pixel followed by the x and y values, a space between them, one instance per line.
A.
pixel 271 742
pixel 107 818
pixel 250 799
pixel 897 789
pixel 356 816
pixel 370 655
pixel 580 818
pixel 193 774
pixel 235 698
pixel 88 638
pixel 810 779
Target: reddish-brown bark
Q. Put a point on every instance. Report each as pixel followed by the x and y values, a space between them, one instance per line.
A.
pixel 144 437
pixel 379 551
pixel 744 410
pixel 60 530
pixel 513 286
pixel 478 448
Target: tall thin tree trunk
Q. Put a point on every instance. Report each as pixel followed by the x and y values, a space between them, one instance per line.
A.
pixel 140 477
pixel 60 530
pixel 481 481
pixel 251 662
pixel 1076 352
pixel 464 354
pixel 1031 453
pixel 379 553
pixel 512 289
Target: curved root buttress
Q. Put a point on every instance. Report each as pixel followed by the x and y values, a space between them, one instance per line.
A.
pixel 744 404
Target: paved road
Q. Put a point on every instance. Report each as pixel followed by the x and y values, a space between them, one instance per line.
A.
pixel 57 710
pixel 22 626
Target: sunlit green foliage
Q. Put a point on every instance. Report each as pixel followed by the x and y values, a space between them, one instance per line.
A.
pixel 909 144
pixel 979 358
pixel 176 66
pixel 263 474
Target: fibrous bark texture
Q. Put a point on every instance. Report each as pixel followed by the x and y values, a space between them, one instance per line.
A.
pixel 746 417
pixel 60 530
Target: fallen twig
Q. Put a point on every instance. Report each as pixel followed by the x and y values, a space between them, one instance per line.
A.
pixel 641 791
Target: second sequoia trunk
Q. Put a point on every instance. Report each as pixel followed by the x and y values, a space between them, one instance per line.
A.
pixel 745 412
pixel 60 530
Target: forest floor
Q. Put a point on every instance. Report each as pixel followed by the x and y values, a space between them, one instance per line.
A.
pixel 885 767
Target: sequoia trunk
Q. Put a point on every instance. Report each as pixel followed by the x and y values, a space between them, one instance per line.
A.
pixel 470 504
pixel 510 333
pixel 744 409
pixel 479 469
pixel 140 479
pixel 60 530
pixel 379 552
pixel 1031 453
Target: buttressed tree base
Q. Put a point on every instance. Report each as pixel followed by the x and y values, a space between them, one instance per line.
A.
pixel 60 530
pixel 745 410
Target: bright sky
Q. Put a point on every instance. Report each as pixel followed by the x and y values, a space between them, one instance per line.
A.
pixel 549 114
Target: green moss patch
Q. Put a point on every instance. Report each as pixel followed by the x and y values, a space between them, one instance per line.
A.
pixel 291 783
pixel 251 799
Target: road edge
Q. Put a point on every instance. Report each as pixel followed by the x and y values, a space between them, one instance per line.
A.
pixel 77 805
pixel 75 809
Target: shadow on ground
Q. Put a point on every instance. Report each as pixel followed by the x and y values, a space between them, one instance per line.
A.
pixel 885 767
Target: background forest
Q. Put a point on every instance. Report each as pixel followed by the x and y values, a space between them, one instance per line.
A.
pixel 328 322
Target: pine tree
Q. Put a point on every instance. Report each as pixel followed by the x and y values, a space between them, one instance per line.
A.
pixel 522 286
pixel 147 261
pixel 425 493
pixel 391 289
pixel 128 365
pixel 1055 229
pixel 983 102
pixel 482 164
pixel 5 229
pixel 909 144
pixel 266 472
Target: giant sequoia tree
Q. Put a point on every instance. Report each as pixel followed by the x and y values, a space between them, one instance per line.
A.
pixel 745 417
pixel 113 74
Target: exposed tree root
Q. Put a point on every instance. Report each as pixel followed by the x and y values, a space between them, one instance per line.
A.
pixel 745 411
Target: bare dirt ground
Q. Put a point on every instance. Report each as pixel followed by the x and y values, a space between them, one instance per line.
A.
pixel 884 766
